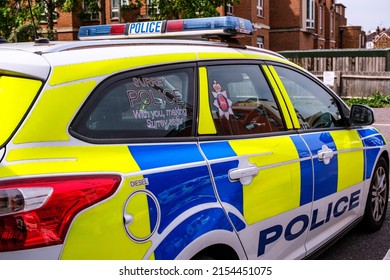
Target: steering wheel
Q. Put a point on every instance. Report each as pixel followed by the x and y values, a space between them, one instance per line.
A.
pixel 321 120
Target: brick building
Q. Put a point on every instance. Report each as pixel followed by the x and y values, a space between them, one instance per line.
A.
pixel 305 24
pixel 67 24
pixel 279 24
pixel 351 37
pixel 258 12
pixel 379 39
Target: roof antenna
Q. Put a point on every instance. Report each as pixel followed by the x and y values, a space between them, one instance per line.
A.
pixel 37 39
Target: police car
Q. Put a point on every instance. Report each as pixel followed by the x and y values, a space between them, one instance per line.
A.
pixel 132 143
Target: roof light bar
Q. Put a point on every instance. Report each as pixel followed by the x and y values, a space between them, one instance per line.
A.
pixel 226 26
pixel 99 31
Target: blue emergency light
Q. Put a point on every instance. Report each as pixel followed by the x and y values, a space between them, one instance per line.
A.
pixel 224 26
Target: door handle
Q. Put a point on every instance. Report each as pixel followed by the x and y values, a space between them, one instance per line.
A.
pixel 244 172
pixel 325 154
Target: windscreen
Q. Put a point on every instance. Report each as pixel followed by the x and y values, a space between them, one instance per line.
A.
pixel 16 97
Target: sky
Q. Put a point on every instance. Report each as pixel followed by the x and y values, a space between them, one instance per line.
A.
pixel 367 13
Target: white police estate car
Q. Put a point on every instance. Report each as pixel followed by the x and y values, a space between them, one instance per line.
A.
pixel 163 148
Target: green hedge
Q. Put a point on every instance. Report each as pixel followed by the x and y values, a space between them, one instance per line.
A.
pixel 377 100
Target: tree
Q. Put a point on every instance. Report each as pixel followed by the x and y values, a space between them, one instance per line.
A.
pixel 99 6
pixel 13 15
pixel 175 9
pixel 48 11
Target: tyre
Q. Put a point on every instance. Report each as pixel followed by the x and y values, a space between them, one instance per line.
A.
pixel 377 199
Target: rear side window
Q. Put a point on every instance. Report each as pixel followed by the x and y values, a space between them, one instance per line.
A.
pixel 16 97
pixel 158 104
pixel 242 101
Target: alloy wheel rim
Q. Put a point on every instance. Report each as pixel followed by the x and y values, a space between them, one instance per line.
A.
pixel 379 194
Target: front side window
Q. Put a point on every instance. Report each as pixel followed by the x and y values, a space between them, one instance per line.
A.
pixel 158 104
pixel 314 106
pixel 241 101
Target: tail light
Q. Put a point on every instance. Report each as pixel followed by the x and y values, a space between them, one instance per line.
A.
pixel 37 212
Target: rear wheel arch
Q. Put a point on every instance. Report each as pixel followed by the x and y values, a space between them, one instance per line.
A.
pixel 217 252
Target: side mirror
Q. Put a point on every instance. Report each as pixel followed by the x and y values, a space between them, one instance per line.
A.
pixel 361 115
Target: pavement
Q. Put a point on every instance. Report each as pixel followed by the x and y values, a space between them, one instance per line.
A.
pixel 382 121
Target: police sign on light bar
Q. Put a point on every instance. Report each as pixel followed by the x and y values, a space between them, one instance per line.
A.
pixel 231 26
pixel 145 27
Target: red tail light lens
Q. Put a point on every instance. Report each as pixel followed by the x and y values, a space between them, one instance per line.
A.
pixel 37 212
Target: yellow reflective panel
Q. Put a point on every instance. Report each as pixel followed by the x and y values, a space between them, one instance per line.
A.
pixel 220 55
pixel 68 159
pixel 53 112
pixel 286 98
pixel 279 97
pixel 206 122
pixel 74 72
pixel 350 158
pixel 99 232
pixel 277 187
pixel 16 96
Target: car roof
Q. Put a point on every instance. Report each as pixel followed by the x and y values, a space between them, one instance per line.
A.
pixel 36 59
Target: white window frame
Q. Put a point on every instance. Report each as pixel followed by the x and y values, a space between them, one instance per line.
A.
pixel 115 9
pixel 94 16
pixel 260 42
pixel 332 16
pixel 260 8
pixel 229 9
pixel 149 4
pixel 310 14
pixel 321 20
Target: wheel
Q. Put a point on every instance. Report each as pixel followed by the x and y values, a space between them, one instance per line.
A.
pixel 377 198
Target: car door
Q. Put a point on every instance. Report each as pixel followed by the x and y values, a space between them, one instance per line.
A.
pixel 167 199
pixel 337 152
pixel 261 170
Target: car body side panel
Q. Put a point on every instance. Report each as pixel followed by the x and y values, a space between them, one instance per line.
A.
pixel 52 113
pixel 168 204
pixel 274 191
pixel 15 90
pixel 57 158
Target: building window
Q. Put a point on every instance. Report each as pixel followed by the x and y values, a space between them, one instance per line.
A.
pixel 229 9
pixel 310 13
pixel 43 17
pixel 332 23
pixel 260 8
pixel 115 9
pixel 90 10
pixel 321 20
pixel 152 7
pixel 260 42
